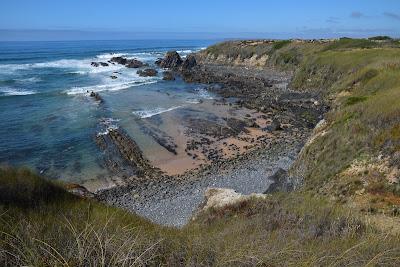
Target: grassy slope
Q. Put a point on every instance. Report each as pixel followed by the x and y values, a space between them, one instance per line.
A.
pixel 43 225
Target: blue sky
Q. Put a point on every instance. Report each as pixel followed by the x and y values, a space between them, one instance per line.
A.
pixel 123 19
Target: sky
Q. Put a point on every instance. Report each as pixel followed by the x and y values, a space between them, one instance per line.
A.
pixel 207 19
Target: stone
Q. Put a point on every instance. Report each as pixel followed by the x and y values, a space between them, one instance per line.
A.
pixel 134 63
pixel 274 126
pixel 172 60
pixel 168 76
pixel 189 63
pixel 147 73
pixel 119 60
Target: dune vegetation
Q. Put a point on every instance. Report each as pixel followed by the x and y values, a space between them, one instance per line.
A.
pixel 347 213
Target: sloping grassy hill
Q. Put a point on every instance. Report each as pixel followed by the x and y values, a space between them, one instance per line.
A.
pixel 347 213
pixel 43 225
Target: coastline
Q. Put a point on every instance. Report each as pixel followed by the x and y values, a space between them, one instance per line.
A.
pixel 279 130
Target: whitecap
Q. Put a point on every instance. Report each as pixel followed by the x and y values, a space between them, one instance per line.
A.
pixel 110 124
pixel 29 80
pixel 7 91
pixel 106 87
pixel 152 112
pixel 108 56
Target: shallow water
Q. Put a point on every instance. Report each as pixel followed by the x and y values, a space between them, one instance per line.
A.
pixel 47 120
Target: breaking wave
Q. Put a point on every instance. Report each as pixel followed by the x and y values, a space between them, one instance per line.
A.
pixel 106 87
pixel 152 112
pixel 7 91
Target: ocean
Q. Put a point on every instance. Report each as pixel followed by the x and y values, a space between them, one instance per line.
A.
pixel 48 122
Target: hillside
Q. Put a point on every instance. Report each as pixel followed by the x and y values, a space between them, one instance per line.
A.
pixel 345 213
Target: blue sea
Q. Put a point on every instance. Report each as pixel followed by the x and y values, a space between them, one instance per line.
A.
pixel 47 120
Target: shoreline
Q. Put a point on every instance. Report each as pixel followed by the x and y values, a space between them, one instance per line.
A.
pixel 172 199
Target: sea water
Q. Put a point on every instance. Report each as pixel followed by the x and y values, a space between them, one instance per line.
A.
pixel 49 123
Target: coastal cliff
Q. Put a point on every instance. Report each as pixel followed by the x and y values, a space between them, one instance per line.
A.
pixel 339 200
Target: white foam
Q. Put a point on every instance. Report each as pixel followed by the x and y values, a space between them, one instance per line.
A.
pixel 14 91
pixel 106 87
pixel 29 80
pixel 110 125
pixel 108 56
pixel 193 101
pixel 203 93
pixel 185 51
pixel 152 112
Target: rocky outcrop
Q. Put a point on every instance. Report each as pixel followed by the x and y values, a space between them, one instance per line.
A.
pixel 98 64
pixel 168 76
pixel 147 73
pixel 129 151
pixel 119 60
pixel 189 63
pixel 134 63
pixel 159 136
pixel 129 63
pixel 172 60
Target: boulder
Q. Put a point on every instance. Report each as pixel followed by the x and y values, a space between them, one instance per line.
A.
pixel 119 60
pixel 274 126
pixel 237 125
pixel 281 182
pixel 147 73
pixel 113 77
pixel 219 198
pixel 134 63
pixel 96 96
pixel 172 60
pixel 103 64
pixel 189 62
pixel 168 76
pixel 95 64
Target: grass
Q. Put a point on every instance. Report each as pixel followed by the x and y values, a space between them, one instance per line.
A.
pixel 296 229
pixel 326 223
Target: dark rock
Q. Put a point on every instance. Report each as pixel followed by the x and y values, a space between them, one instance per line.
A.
pixel 280 182
pixel 117 140
pixel 168 76
pixel 158 61
pixel 103 64
pixel 189 63
pixel 274 126
pixel 172 60
pixel 134 63
pixel 119 60
pixel 113 77
pixel 96 96
pixel 95 64
pixel 147 73
pixel 237 125
pixel 159 136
